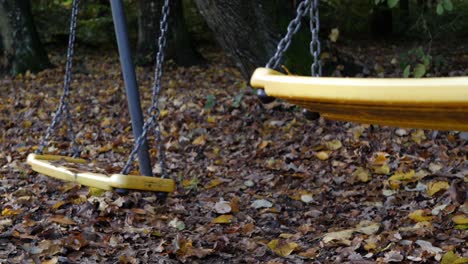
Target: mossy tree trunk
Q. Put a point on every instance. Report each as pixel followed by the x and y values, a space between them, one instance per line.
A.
pixel 180 47
pixel 20 47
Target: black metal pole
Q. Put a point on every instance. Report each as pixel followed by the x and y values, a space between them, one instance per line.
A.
pixel 131 86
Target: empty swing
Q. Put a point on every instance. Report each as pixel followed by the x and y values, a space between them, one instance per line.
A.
pixel 51 165
pixel 432 103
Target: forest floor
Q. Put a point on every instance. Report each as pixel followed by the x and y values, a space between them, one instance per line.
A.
pixel 255 184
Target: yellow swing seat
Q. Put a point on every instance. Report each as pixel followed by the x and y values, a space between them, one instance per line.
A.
pixel 432 103
pixel 44 164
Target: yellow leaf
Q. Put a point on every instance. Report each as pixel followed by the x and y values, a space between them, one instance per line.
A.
pixel 281 247
pixel 362 174
pixel 334 34
pixel 401 177
pixel 199 141
pixel 460 220
pixel 213 183
pixel 370 246
pixel 384 169
pixel 419 216
pixel 106 122
pixel 322 155
pixel 333 144
pixel 9 212
pixel 222 219
pixel 163 113
pixel 418 136
pixel 58 204
pixel 27 124
pixel 80 200
pixel 211 119
pixel 451 258
pixel 190 183
pixel 51 261
pixel 435 187
pixel 380 159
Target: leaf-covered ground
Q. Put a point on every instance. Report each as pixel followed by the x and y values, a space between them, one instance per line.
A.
pixel 256 184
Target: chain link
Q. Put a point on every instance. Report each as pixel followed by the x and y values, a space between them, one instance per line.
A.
pixel 153 111
pixel 64 99
pixel 293 27
pixel 315 48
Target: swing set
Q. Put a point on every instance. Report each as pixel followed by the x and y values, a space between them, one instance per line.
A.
pixel 434 103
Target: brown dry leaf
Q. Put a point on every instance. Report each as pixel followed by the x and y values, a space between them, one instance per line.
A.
pixel 223 219
pixel 435 187
pixel 419 216
pixel 63 220
pixel 282 247
pixel 263 144
pixel 187 250
pixel 310 253
pixel 50 261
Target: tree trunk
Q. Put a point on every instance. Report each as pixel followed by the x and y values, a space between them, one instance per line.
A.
pixel 179 47
pixel 381 21
pixel 20 47
pixel 247 30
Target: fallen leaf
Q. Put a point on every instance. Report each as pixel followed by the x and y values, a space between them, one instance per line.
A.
pixel 342 236
pixel 60 219
pixel 307 198
pixel 10 212
pixel 419 216
pixel 428 247
pixel 222 207
pixel 223 219
pixel 400 177
pixel 262 203
pixel 213 183
pixel 418 136
pixel 199 141
pixel 452 258
pixel 322 155
pixel 281 247
pixel 367 227
pixel 460 220
pixel 384 169
pixel 435 187
pixel 362 174
pixel 333 144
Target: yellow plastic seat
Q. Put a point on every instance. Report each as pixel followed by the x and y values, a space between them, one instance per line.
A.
pixel 432 103
pixel 44 165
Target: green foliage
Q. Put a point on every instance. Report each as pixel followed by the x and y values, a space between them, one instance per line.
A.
pixel 443 6
pixel 416 62
pixel 390 3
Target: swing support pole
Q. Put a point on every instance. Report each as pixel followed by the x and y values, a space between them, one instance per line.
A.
pixel 131 86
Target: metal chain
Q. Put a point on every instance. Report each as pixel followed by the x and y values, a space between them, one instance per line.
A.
pixel 315 48
pixel 64 99
pixel 153 111
pixel 292 29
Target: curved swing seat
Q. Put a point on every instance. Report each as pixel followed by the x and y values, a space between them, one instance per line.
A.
pixel 43 164
pixel 432 103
